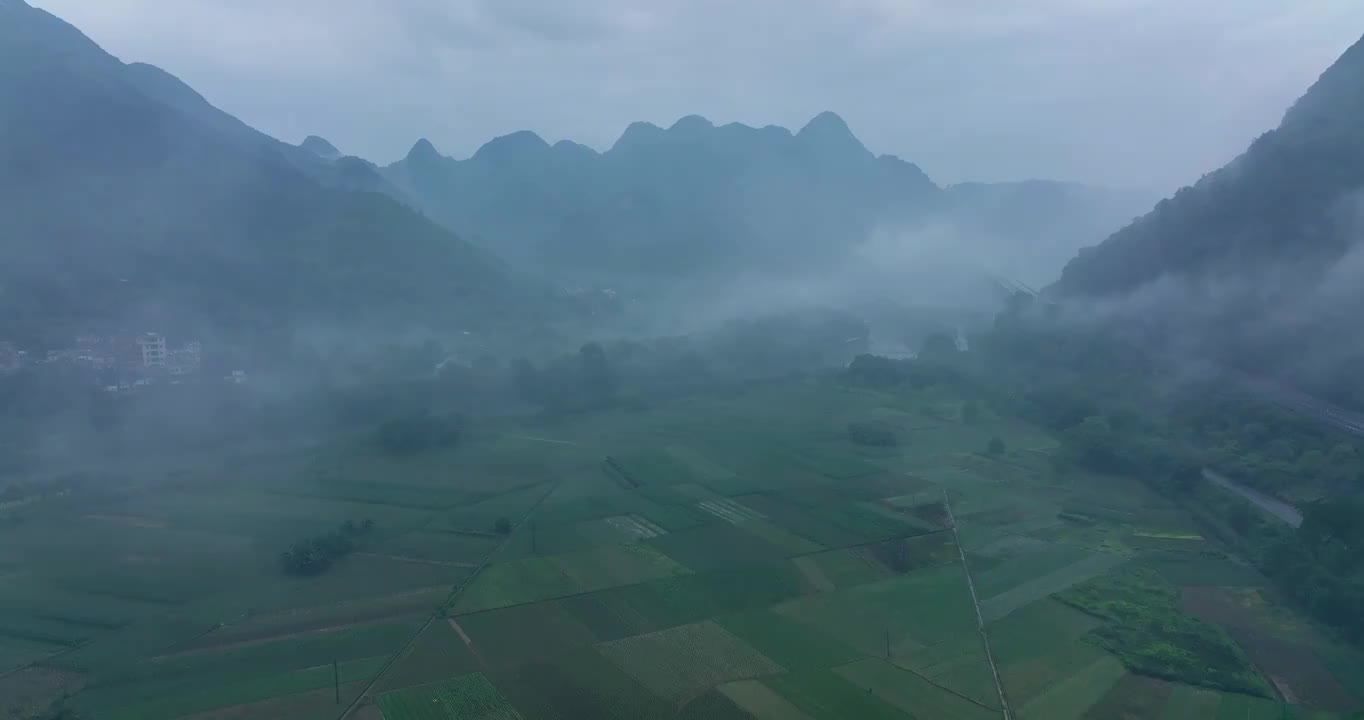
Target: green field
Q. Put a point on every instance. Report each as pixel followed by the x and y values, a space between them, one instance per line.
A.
pixel 727 556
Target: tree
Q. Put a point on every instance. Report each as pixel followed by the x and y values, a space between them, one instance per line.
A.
pixel 502 526
pixel 997 446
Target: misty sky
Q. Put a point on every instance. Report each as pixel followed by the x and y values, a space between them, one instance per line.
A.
pixel 1129 93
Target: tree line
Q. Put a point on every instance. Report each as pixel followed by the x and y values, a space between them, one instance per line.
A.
pixel 315 555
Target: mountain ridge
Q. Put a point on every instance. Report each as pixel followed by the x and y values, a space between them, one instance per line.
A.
pixel 700 195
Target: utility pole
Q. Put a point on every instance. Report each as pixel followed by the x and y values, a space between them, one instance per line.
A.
pixel 336 681
pixel 887 643
pixel 533 549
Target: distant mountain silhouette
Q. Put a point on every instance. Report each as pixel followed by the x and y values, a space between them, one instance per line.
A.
pixel 130 201
pixel 320 147
pixel 697 198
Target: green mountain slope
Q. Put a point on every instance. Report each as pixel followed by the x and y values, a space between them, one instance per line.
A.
pixel 130 202
pixel 1288 199
pixel 1259 264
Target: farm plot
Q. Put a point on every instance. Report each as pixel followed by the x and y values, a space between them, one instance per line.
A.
pixel 616 502
pixel 258 627
pixel 1021 563
pixel 651 467
pixel 511 583
pixel 1073 696
pixel 544 578
pixel 167 701
pixel 441 547
pixel 1134 696
pixel 18 652
pixel 761 702
pixel 480 516
pixel 593 612
pixel 912 693
pixel 684 599
pixel 1007 601
pixel 318 704
pixel 839 569
pixel 914 612
pixel 682 662
pixel 826 695
pixel 1037 629
pixel 282 655
pixel 1035 674
pixel 905 555
pixel 576 685
pixel 787 642
pixel 521 633
pixel 356 577
pixel 713 705
pixel 1276 646
pixel 616 565
pixel 471 697
pixel 438 653
pixel 717 545
pixel 1204 568
pixel 701 466
pixel 834 525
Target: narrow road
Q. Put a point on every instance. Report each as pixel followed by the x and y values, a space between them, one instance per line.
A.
pixel 1273 506
pixel 1300 402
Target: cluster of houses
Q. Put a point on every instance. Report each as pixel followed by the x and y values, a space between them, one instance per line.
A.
pixel 119 361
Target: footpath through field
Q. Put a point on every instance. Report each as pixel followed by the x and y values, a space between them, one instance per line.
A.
pixel 975 602
pixel 439 612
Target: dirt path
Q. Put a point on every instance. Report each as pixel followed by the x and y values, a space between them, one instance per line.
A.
pixel 975 602
pixel 440 611
pixel 468 641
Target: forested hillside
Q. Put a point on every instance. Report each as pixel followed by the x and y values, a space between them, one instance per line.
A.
pixel 129 201
pixel 1258 264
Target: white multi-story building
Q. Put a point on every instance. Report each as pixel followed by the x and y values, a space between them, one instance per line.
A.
pixel 153 350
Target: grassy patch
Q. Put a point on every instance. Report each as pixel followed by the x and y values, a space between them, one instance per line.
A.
pixel 1147 630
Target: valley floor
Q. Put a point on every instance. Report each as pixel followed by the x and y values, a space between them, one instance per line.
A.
pixel 714 557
